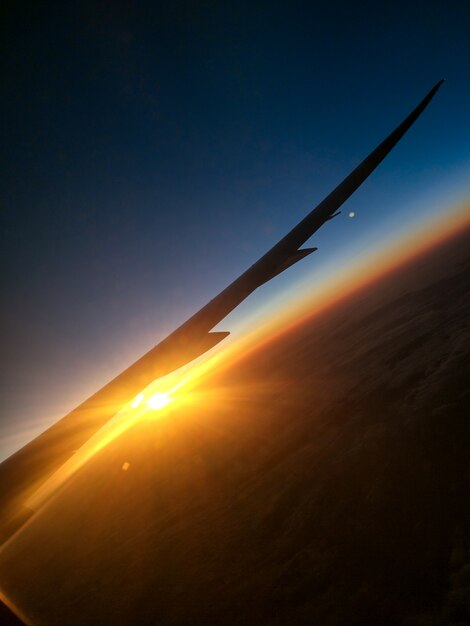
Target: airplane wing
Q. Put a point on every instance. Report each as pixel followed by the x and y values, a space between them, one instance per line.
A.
pixel 25 470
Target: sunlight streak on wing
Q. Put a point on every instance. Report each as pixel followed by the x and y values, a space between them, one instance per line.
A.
pixel 174 390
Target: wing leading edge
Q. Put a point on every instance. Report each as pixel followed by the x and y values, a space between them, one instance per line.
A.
pixel 21 473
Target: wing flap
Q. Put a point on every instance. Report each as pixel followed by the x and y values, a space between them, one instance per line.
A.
pixel 291 260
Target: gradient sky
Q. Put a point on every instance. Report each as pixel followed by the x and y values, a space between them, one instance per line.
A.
pixel 152 152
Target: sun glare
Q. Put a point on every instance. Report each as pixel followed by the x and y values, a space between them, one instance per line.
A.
pixel 158 401
pixel 137 401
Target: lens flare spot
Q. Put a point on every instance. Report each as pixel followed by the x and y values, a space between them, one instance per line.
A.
pixel 158 401
pixel 125 466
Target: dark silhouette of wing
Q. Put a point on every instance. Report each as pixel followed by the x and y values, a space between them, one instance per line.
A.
pixel 21 473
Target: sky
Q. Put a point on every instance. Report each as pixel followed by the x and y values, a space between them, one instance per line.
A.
pixel 152 152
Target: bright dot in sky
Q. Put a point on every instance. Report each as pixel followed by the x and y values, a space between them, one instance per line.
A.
pixel 158 400
pixel 352 214
pixel 137 400
pixel 125 466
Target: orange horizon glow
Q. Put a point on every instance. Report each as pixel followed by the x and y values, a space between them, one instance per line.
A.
pixel 174 390
pixel 376 265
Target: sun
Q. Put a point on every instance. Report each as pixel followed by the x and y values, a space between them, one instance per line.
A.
pixel 158 401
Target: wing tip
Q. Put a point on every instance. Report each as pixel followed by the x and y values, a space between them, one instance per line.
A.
pixel 436 87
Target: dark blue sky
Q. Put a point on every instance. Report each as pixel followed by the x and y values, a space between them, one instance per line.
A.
pixel 151 153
